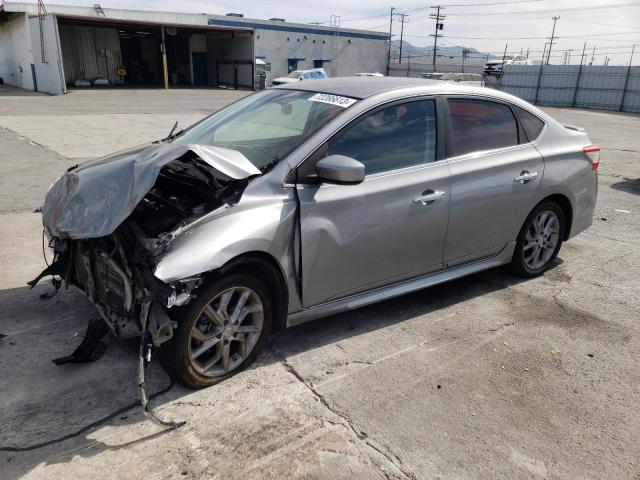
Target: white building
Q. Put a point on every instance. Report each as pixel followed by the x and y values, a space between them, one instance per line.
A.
pixel 69 45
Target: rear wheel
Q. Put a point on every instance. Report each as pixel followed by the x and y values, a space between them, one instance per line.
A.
pixel 220 333
pixel 539 240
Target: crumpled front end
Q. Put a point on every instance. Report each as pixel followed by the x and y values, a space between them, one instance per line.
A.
pixel 110 222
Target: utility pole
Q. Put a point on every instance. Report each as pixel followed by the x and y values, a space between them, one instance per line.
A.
pixel 593 55
pixel 555 19
pixel 526 59
pixel 390 29
pixel 465 53
pixel 439 26
pixel 402 22
pixel 582 57
pixel 631 58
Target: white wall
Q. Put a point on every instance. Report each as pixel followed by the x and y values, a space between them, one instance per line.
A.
pixel 353 54
pixel 16 54
pixel 49 74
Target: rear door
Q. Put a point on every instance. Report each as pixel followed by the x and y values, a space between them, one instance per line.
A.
pixel 495 174
pixel 358 237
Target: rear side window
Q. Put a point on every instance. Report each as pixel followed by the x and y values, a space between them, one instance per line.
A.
pixel 479 125
pixel 532 125
pixel 395 137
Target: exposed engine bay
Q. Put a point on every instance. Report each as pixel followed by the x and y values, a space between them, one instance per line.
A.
pixel 109 222
pixel 115 270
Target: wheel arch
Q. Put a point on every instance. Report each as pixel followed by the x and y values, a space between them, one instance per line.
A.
pixel 267 268
pixel 565 204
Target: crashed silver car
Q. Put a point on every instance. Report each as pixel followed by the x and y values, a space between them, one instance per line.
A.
pixel 311 199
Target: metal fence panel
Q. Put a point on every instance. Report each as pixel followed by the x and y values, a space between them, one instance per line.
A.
pixel 587 86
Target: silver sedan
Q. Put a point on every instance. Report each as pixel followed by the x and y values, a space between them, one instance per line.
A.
pixel 311 199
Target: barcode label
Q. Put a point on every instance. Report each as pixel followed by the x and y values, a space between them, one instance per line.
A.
pixel 343 102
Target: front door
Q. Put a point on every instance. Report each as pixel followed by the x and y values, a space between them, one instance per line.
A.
pixel 390 227
pixel 495 177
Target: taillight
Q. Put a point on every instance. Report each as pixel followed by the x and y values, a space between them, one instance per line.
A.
pixel 592 152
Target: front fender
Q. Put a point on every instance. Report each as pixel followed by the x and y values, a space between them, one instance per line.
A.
pixel 262 227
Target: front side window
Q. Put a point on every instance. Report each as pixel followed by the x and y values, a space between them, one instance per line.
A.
pixel 479 125
pixel 395 137
pixel 264 127
pixel 532 125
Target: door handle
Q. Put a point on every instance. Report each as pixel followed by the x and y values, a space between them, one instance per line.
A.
pixel 428 197
pixel 525 177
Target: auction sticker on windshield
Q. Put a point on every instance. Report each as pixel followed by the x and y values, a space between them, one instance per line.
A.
pixel 343 102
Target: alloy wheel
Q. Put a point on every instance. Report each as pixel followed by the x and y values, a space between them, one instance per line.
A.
pixel 226 331
pixel 541 239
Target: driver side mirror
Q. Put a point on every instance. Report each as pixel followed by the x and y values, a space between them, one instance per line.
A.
pixel 340 169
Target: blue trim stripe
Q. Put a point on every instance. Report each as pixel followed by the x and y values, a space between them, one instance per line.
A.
pixel 286 28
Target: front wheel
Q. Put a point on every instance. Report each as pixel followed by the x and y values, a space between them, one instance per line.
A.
pixel 539 240
pixel 220 333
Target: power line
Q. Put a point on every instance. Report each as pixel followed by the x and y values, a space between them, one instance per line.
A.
pixel 534 38
pixel 480 4
pixel 551 11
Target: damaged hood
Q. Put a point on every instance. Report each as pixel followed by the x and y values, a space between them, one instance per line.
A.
pixel 92 200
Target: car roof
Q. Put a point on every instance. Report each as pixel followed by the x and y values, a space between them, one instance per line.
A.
pixel 358 87
pixel 363 87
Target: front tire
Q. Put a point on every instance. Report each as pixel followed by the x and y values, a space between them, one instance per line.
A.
pixel 539 240
pixel 220 333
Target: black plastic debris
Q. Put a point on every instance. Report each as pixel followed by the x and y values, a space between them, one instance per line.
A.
pixel 91 348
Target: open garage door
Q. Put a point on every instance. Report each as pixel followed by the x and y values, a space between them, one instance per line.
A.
pixel 47 61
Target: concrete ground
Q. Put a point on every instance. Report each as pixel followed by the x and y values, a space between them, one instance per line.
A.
pixel 484 377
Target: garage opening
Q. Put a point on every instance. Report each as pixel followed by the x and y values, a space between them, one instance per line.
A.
pixel 131 55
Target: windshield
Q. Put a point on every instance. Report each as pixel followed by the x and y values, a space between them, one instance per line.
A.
pixel 295 74
pixel 267 126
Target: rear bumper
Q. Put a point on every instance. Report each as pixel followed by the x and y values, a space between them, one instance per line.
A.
pixel 585 205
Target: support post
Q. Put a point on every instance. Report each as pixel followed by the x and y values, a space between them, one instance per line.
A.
pixel 626 80
pixel 555 19
pixel 165 69
pixel 235 74
pixel 575 90
pixel 390 31
pixel 535 100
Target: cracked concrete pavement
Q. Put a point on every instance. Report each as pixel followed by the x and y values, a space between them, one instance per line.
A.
pixel 484 377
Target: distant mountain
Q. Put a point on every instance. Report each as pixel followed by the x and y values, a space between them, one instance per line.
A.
pixel 443 52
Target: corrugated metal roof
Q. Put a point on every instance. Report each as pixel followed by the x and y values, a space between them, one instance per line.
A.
pixel 293 27
pixel 111 13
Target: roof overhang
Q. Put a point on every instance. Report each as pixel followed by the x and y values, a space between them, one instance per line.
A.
pixel 119 21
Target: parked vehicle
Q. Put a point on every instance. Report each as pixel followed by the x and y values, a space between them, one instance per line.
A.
pixel 310 199
pixel 494 67
pixel 298 75
pixel 464 78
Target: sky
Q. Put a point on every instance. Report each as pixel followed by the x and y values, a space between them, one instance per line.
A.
pixel 611 26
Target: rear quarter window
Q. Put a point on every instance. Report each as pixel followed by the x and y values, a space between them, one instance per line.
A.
pixel 532 125
pixel 479 125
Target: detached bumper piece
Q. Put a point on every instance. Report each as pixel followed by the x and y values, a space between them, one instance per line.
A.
pixel 91 348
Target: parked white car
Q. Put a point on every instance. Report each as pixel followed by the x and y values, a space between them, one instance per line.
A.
pixel 298 75
pixel 494 67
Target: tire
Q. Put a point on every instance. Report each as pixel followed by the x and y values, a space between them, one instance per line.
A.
pixel 202 333
pixel 524 263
